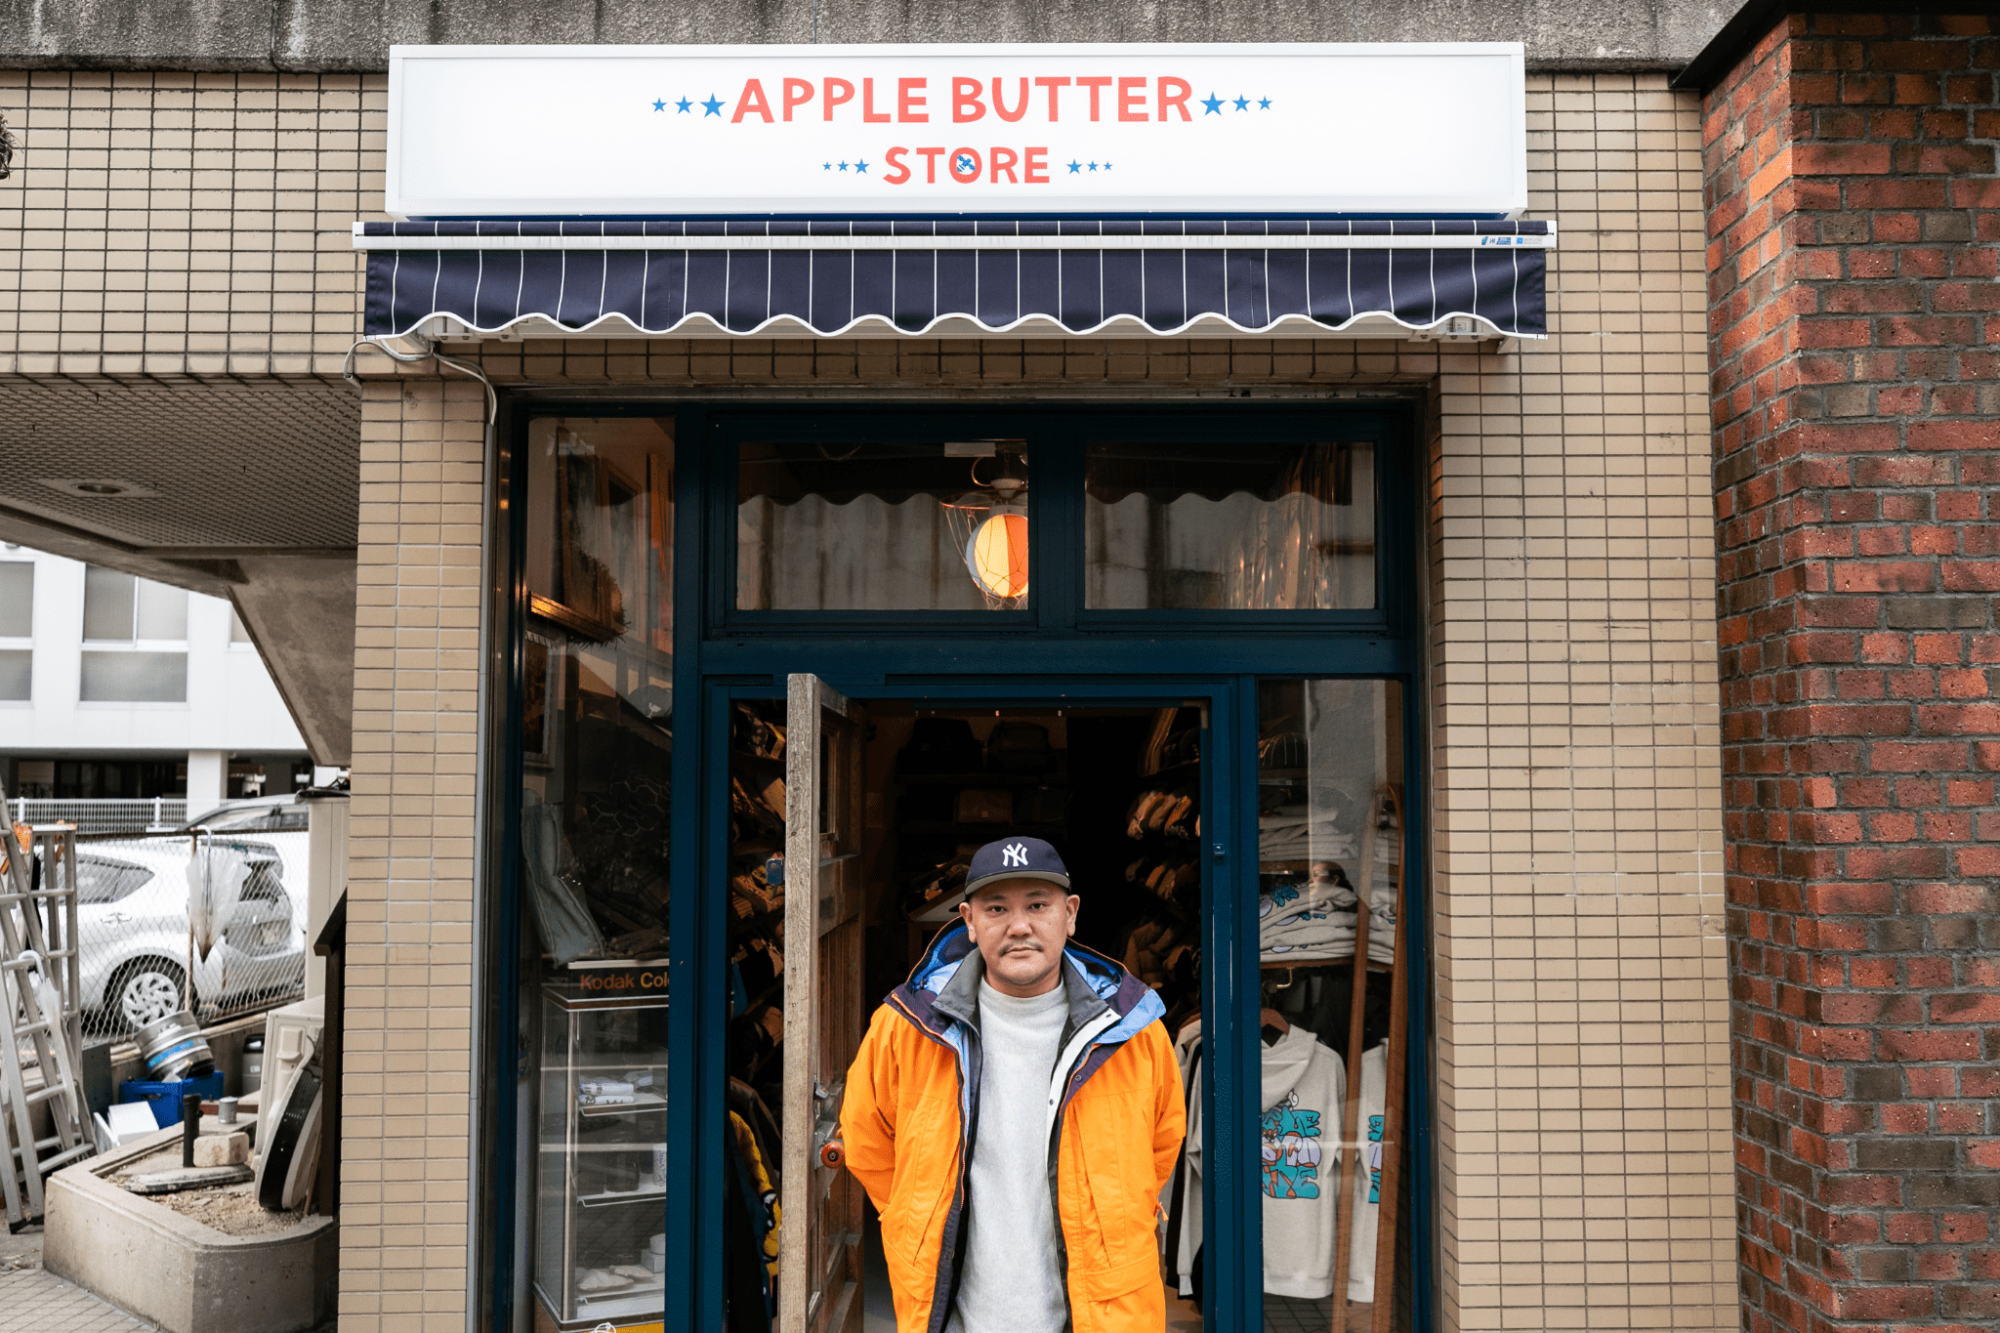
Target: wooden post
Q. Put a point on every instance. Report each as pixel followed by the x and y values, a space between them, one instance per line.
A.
pixel 1351 1160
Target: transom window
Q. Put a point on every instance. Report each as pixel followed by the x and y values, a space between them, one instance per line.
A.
pixel 1267 515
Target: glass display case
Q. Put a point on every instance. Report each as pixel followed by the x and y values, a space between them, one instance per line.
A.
pixel 600 1172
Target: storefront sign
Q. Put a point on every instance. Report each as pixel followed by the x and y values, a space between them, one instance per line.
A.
pixel 618 984
pixel 659 130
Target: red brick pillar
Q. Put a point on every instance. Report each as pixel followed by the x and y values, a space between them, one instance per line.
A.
pixel 1855 348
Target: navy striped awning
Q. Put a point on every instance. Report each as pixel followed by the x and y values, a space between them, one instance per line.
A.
pixel 957 278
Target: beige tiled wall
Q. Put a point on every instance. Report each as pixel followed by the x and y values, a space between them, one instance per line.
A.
pixel 165 224
pixel 405 1116
pixel 173 225
pixel 1583 1060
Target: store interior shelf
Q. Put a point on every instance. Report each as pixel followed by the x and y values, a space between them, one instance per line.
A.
pixel 609 1197
pixel 641 1101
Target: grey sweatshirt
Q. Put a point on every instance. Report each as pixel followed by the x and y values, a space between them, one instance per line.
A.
pixel 1010 1283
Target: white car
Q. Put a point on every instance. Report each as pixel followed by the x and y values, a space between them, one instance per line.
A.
pixel 132 920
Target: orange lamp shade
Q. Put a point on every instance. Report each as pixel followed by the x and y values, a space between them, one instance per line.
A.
pixel 997 555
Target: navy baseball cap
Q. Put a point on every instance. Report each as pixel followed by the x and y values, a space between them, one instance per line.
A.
pixel 1009 858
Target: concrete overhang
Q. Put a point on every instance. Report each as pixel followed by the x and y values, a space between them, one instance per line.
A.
pixel 355 35
pixel 248 490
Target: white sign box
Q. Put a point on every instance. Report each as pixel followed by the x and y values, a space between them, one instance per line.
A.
pixel 677 130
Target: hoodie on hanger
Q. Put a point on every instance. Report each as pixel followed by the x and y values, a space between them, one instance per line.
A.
pixel 1304 1082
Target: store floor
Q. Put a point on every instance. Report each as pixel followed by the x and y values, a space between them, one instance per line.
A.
pixel 878 1307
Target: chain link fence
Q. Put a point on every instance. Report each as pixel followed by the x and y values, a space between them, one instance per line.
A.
pixel 154 912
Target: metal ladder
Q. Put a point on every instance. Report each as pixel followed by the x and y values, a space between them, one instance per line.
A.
pixel 40 1007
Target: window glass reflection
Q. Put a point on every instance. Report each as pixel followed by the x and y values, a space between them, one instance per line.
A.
pixel 1332 1041
pixel 882 527
pixel 1230 527
pixel 596 721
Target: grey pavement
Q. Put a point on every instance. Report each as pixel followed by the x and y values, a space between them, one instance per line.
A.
pixel 35 1301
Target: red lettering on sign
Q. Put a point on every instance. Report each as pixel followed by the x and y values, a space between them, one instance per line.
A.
pixel 930 157
pixel 965 101
pixel 1093 85
pixel 1132 99
pixel 1000 107
pixel 910 100
pixel 1177 100
pixel 846 94
pixel 1003 159
pixel 752 103
pixel 894 157
pixel 1037 160
pixel 964 166
pixel 868 112
pixel 797 93
pixel 1052 85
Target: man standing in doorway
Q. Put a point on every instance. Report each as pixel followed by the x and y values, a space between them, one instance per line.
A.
pixel 1014 1112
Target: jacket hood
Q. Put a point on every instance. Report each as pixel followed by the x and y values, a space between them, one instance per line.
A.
pixel 1284 1063
pixel 1101 978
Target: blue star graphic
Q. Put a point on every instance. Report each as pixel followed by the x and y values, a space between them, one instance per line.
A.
pixel 1265 103
pixel 861 166
pixel 659 104
pixel 1093 166
pixel 1107 166
pixel 682 106
pixel 1242 104
pixel 713 106
pixel 843 166
pixel 827 167
pixel 1075 167
pixel 1213 103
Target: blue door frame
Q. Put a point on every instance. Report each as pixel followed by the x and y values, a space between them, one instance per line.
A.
pixel 1129 658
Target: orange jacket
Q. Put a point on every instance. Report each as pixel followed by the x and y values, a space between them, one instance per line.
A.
pixel 1122 1117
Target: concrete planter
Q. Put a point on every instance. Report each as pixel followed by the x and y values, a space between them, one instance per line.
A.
pixel 185 1277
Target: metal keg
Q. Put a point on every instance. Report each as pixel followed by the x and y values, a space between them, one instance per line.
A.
pixel 173 1048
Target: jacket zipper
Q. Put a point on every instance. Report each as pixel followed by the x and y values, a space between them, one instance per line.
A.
pixel 1055 1176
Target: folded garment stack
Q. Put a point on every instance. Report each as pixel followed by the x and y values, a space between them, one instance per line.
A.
pixel 1315 921
pixel 1289 833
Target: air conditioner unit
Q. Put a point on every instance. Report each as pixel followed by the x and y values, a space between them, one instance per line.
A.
pixel 291 1036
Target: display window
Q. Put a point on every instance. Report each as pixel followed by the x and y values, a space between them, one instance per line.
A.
pixel 1230 795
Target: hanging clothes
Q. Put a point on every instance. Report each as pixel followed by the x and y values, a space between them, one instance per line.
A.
pixel 1368 1185
pixel 1299 1150
pixel 762 1193
pixel 746 1224
pixel 1304 1084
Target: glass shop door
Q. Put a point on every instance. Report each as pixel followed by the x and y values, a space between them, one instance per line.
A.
pixel 821 1235
pixel 850 830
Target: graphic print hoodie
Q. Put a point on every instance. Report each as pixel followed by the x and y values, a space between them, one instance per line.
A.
pixel 1304 1085
pixel 1299 1146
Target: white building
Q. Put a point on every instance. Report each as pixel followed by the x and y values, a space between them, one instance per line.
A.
pixel 112 686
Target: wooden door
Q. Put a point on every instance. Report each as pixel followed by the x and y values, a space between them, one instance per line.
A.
pixel 819 1272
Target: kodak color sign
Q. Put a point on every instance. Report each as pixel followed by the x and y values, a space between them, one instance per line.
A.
pixel 928 130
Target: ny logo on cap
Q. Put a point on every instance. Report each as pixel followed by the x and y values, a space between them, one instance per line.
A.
pixel 1015 854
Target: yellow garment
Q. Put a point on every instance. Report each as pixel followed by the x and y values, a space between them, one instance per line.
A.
pixel 753 1160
